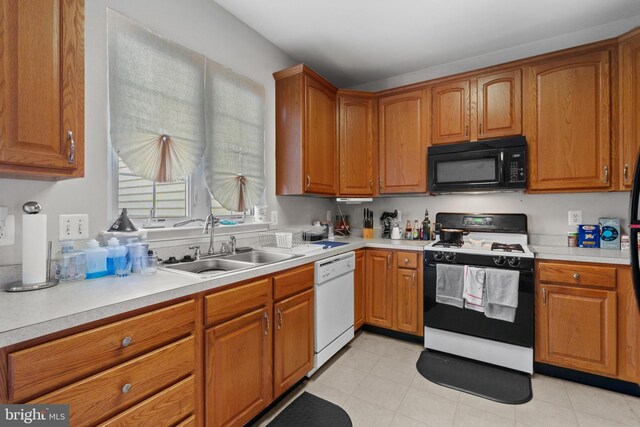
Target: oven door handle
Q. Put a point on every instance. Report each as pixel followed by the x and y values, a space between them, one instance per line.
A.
pixel 501 166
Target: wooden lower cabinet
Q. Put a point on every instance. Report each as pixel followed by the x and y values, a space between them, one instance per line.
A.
pixel 379 288
pixel 577 328
pixel 293 340
pixel 238 368
pixel 359 290
pixel 407 301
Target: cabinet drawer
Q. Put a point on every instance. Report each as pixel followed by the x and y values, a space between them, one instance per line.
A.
pixel 165 408
pixel 293 282
pixel 74 357
pixel 236 301
pixel 573 274
pixel 104 395
pixel 407 259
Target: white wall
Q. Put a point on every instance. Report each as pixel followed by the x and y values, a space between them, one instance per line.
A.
pixel 546 213
pixel 200 25
pixel 588 35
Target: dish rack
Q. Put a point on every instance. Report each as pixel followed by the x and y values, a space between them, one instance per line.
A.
pixel 275 241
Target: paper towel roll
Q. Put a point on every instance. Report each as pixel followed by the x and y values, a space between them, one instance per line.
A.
pixel 34 249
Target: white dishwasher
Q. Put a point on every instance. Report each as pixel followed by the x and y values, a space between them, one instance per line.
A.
pixel 334 305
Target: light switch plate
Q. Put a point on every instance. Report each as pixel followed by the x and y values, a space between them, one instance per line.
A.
pixel 575 218
pixel 73 227
pixel 8 231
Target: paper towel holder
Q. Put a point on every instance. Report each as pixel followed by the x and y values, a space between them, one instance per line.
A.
pixel 21 287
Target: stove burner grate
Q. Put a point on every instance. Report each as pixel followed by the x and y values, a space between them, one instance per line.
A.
pixel 504 247
pixel 448 244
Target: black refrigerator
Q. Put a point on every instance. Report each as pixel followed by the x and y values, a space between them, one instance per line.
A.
pixel 634 229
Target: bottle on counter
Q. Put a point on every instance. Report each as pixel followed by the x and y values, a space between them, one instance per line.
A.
pixel 416 230
pixel 425 233
pixel 71 265
pixel 112 247
pixel 96 260
pixel 408 233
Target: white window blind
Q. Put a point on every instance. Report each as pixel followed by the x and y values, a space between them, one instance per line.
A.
pixel 136 194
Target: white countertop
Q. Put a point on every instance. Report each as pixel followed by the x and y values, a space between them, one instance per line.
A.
pixel 28 315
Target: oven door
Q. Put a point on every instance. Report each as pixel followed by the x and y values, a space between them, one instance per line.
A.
pixel 469 322
pixel 478 170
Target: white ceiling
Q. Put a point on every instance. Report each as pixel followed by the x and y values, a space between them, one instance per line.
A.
pixel 352 42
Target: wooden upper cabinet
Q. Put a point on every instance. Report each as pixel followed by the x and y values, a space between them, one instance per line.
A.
pixel 451 112
pixel 42 89
pixel 358 143
pixel 402 121
pixel 629 107
pixel 500 104
pixel 568 123
pixel 306 133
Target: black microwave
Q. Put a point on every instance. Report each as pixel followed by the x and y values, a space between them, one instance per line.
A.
pixel 482 166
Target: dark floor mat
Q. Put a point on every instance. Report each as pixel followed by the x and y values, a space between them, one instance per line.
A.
pixel 311 411
pixel 470 376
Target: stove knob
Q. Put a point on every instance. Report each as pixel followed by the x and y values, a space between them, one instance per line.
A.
pixel 514 262
pixel 499 261
pixel 438 256
pixel 451 256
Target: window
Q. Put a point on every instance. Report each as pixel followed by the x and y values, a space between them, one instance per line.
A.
pixel 137 195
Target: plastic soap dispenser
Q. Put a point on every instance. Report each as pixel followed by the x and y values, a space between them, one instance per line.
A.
pixel 96 260
pixel 113 246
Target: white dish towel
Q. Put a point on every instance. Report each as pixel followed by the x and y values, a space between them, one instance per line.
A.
pixel 474 294
pixel 502 294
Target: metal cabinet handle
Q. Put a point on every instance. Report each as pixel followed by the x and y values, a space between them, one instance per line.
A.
pixel 544 297
pixel 625 173
pixel 413 279
pixel 606 174
pixel 389 262
pixel 466 130
pixel 126 341
pixel 279 318
pixel 72 148
pixel 308 181
pixel 576 276
pixel 380 182
pixel 266 329
pixel 406 260
pixel 126 388
pixel 480 128
pixel 371 183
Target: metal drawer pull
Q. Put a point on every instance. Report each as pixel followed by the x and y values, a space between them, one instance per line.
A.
pixel 544 297
pixel 126 388
pixel 279 318
pixel 576 276
pixel 406 260
pixel 126 341
pixel 266 317
pixel 72 148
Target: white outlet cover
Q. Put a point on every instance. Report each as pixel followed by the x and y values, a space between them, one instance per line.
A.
pixel 8 231
pixel 575 217
pixel 274 217
pixel 73 227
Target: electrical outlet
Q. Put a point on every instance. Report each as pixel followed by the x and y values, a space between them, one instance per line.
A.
pixel 8 231
pixel 575 218
pixel 274 217
pixel 73 227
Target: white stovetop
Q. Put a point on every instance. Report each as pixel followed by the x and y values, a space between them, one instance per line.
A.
pixel 481 244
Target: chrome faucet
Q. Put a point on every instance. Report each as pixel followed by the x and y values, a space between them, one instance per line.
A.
pixel 233 244
pixel 196 254
pixel 229 248
pixel 210 221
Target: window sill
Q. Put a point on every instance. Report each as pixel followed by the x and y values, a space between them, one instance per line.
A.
pixel 177 235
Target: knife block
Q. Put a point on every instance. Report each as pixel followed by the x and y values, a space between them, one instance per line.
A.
pixel 367 233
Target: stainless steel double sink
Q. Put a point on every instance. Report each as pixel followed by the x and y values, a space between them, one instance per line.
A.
pixel 220 264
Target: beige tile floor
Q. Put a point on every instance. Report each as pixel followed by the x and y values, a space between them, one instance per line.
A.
pixel 375 380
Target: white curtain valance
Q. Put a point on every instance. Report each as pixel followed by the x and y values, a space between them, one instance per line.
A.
pixel 156 102
pixel 234 156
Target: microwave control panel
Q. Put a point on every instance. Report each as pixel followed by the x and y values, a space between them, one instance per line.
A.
pixel 517 162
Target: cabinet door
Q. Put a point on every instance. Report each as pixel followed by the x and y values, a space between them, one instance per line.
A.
pixel 293 344
pixel 451 111
pixel 577 328
pixel 42 88
pixel 500 104
pixel 628 328
pixel 629 109
pixel 407 301
pixel 357 145
pixel 358 290
pixel 320 146
pixel 238 369
pixel 379 288
pixel 403 142
pixel 568 123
